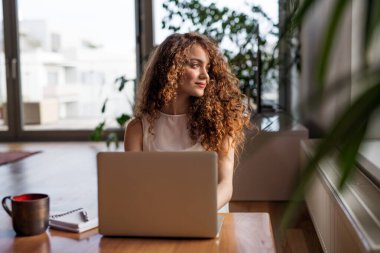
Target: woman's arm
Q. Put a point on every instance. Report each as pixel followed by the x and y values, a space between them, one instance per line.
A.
pixel 225 176
pixel 133 136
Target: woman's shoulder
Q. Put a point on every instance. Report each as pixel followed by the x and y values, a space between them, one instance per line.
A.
pixel 133 135
pixel 134 124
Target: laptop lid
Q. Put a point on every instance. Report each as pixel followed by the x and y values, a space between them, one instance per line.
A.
pixel 159 194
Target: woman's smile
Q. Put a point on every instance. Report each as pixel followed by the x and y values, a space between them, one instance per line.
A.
pixel 201 84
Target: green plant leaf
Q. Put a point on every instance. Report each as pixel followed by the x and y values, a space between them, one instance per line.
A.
pixel 104 105
pixel 301 10
pixel 122 119
pixel 360 111
pixel 349 150
pixel 372 22
pixel 96 135
pixel 297 14
pixel 112 138
pixel 123 81
pixel 334 19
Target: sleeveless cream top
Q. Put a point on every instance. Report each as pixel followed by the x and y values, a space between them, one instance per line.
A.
pixel 171 134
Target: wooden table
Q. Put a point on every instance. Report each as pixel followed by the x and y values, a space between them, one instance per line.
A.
pixel 67 172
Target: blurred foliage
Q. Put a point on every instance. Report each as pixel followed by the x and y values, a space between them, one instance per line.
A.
pixel 98 133
pixel 351 126
pixel 236 32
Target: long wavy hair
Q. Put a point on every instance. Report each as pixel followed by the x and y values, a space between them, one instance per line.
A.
pixel 216 117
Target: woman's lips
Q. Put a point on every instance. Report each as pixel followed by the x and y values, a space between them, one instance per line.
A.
pixel 201 85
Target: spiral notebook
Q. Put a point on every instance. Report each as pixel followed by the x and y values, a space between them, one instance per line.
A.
pixel 77 220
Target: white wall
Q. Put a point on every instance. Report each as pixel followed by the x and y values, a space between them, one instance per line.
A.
pixel 357 59
pixel 312 38
pixel 345 60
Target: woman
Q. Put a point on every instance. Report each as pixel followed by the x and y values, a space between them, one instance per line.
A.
pixel 189 100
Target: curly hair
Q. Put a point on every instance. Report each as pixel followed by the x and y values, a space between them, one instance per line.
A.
pixel 217 116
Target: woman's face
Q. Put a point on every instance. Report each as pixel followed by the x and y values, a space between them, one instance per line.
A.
pixel 195 76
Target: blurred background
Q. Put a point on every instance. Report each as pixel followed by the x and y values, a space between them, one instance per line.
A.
pixel 69 58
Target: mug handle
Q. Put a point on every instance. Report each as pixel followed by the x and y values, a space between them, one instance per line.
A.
pixel 3 202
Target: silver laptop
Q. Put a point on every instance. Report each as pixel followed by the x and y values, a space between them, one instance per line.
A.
pixel 158 194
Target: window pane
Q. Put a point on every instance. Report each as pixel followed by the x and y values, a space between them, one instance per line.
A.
pixel 71 56
pixel 3 85
pixel 270 80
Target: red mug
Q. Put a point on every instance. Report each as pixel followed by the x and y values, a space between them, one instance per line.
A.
pixel 29 213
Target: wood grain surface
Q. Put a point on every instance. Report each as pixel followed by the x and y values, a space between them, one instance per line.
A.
pixel 67 173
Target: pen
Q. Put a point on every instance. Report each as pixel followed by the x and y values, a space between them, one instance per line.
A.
pixel 84 215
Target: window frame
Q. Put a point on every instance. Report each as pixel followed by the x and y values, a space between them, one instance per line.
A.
pixel 15 131
pixel 144 17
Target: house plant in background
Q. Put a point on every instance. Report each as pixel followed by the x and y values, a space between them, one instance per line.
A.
pixel 97 135
pixel 351 126
pixel 238 35
pixel 238 30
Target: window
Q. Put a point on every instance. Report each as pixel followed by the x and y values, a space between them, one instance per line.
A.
pixel 70 57
pixel 52 78
pixel 3 84
pixel 270 93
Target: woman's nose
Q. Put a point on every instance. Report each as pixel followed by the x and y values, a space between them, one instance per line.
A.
pixel 204 74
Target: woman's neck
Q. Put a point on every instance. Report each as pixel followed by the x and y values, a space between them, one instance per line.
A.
pixel 180 105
